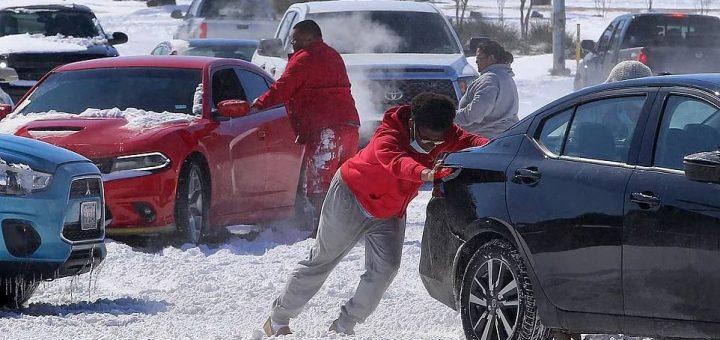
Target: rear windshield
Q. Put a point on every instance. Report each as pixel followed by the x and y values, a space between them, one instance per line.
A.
pixel 48 22
pixel 240 9
pixel 235 52
pixel 150 89
pixel 673 30
pixel 386 32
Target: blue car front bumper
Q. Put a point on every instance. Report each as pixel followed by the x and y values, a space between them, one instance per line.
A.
pixel 42 235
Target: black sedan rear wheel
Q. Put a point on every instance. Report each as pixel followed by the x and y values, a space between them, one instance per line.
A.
pixel 496 298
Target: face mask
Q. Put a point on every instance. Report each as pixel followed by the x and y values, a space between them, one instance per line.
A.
pixel 415 145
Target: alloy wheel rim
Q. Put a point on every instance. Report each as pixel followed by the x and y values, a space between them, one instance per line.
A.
pixel 494 306
pixel 195 205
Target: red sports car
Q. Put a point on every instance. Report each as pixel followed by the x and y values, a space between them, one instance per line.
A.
pixel 174 138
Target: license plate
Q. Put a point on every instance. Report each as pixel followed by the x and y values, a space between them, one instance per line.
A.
pixel 88 215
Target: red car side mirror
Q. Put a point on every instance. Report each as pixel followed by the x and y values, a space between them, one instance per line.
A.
pixel 5 110
pixel 233 108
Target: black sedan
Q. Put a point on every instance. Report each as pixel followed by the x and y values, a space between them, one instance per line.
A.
pixel 221 48
pixel 598 213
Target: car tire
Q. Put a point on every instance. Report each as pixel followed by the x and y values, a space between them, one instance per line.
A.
pixel 192 205
pixel 508 312
pixel 14 293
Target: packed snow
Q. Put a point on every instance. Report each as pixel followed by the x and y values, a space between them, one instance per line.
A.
pixel 224 291
pixel 46 44
pixel 137 119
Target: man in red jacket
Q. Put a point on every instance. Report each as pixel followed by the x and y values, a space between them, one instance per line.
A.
pixel 316 91
pixel 367 199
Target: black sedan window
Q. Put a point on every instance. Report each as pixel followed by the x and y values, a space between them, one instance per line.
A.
pixel 554 130
pixel 603 129
pixel 687 127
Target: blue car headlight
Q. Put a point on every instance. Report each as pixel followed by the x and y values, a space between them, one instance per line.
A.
pixel 20 179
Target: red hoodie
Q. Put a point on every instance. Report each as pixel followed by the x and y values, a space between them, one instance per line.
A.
pixel 316 90
pixel 385 175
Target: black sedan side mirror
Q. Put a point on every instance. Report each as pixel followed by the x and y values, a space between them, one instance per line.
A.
pixel 118 38
pixel 588 45
pixel 270 48
pixel 177 14
pixel 703 166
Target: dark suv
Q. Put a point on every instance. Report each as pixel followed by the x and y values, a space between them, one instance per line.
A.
pixel 72 32
pixel 599 213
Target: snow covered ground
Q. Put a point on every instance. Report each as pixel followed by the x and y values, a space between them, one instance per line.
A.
pixel 224 292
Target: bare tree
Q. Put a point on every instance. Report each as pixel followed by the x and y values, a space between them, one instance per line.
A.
pixel 601 7
pixel 649 4
pixel 460 7
pixel 704 6
pixel 501 9
pixel 525 17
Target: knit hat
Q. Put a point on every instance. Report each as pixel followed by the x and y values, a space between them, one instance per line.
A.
pixel 629 69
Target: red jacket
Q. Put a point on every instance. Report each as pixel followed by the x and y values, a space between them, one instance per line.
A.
pixel 315 89
pixel 385 175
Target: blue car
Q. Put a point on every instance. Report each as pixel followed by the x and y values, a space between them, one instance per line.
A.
pixel 52 216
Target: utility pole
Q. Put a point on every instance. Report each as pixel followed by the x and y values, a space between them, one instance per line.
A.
pixel 558 18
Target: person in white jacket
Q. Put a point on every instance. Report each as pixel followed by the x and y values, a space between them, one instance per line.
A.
pixel 490 104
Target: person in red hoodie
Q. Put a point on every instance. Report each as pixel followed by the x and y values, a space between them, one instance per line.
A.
pixel 367 199
pixel 316 91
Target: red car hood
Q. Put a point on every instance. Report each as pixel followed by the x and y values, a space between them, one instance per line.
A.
pixel 92 137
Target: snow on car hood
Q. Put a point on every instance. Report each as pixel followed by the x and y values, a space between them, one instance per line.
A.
pixel 23 171
pixel 136 119
pixel 22 43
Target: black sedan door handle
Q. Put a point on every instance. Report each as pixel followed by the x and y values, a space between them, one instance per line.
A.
pixel 645 199
pixel 528 176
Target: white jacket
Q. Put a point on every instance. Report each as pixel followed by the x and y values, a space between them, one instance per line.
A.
pixel 490 105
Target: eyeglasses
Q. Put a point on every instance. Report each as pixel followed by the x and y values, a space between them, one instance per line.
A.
pixel 433 142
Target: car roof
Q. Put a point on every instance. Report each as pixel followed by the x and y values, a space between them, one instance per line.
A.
pixel 70 7
pixel 703 81
pixel 665 14
pixel 192 62
pixel 222 42
pixel 354 6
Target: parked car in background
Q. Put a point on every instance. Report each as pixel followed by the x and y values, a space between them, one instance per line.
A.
pixel 598 213
pixel 51 216
pixel 37 38
pixel 220 48
pixel 174 138
pixel 393 51
pixel 674 43
pixel 246 19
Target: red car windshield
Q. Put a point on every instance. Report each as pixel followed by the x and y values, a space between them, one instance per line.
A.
pixel 150 89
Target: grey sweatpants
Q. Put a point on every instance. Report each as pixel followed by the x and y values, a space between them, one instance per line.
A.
pixel 342 223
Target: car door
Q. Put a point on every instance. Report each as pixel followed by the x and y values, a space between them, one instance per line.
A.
pixel 185 29
pixel 596 63
pixel 565 197
pixel 244 173
pixel 275 66
pixel 283 155
pixel 671 256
